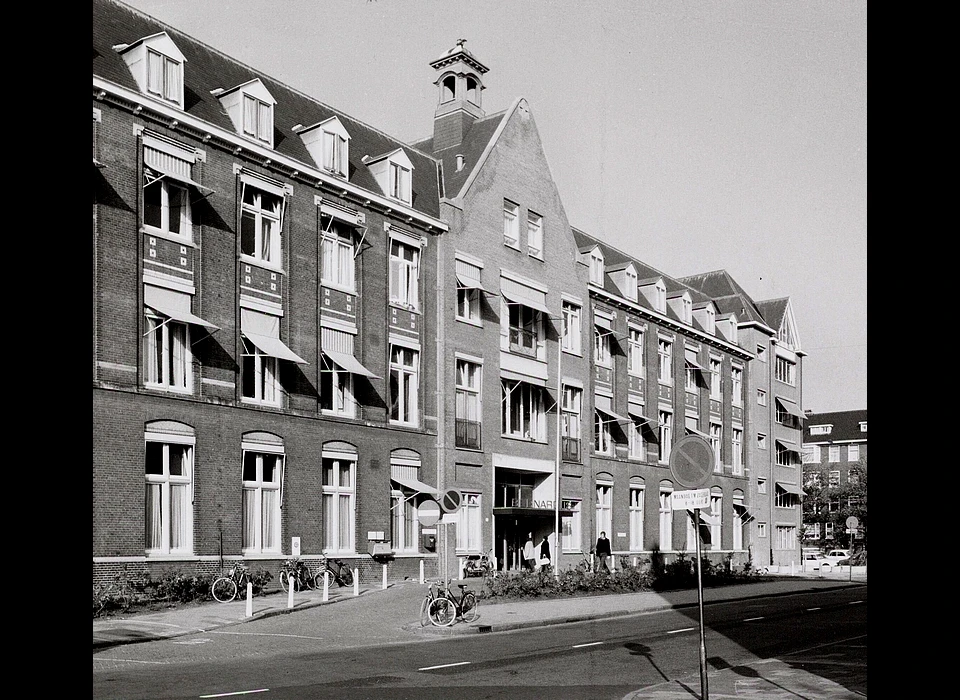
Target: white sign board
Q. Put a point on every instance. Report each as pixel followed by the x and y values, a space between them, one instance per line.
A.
pixel 295 546
pixel 688 500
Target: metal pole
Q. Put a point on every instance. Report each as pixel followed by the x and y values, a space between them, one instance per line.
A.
pixel 556 497
pixel 704 695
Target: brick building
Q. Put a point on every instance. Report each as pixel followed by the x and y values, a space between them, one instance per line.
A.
pixel 303 328
pixel 834 477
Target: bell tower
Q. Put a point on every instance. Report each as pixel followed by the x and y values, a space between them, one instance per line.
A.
pixel 460 88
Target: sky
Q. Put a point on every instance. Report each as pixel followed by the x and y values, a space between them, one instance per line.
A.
pixel 693 135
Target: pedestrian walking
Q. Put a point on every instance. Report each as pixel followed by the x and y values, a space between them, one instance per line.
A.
pixel 603 551
pixel 528 554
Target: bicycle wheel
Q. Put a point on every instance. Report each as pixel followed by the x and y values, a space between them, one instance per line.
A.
pixel 442 612
pixel 346 577
pixel 284 584
pixel 468 606
pixel 425 610
pixel 309 582
pixel 224 589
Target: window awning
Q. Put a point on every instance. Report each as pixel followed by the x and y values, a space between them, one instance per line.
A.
pixel 170 173
pixel 605 405
pixel 790 488
pixel 692 364
pixel 347 361
pixel 602 322
pixel 788 447
pixel 408 482
pixel 174 304
pixel 517 377
pixel 520 294
pixel 743 513
pixel 263 330
pixel 636 412
pixel 790 407
pixel 694 431
pixel 467 281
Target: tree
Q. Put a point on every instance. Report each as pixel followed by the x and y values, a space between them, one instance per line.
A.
pixel 824 504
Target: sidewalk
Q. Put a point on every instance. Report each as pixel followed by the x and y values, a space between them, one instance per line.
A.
pixel 391 616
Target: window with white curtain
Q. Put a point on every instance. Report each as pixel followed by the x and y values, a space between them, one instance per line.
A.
pixel 736 391
pixel 571 328
pixel 736 450
pixel 570 526
pixel 467 409
pixel 169 494
pixel 602 437
pixel 404 385
pixel 404 274
pixel 257 119
pixel 339 501
pixel 262 478
pixel 260 225
pixel 604 507
pixel 666 518
pixel 522 410
pixel 635 351
pixel 403 533
pixel 334 153
pixel 167 360
pixel 164 76
pixel 716 387
pixel 259 381
pixel 665 435
pixel 665 364
pixel 337 255
pixel 716 442
pixel 400 182
pixel 511 224
pixel 535 235
pixel 636 517
pixel 469 524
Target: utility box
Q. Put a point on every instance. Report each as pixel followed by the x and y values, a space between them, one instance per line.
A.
pixel 380 549
pixel 429 543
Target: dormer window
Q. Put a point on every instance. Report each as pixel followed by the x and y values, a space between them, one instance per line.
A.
pixel 682 305
pixel 863 426
pixel 631 285
pixel 596 267
pixel 660 295
pixel 393 172
pixel 820 429
pixel 711 323
pixel 157 66
pixel 328 144
pixel 250 108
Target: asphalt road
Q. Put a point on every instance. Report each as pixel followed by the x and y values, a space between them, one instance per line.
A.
pixel 274 658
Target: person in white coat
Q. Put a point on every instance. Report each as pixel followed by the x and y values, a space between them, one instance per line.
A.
pixel 528 555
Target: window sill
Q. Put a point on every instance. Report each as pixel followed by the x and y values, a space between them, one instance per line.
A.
pixel 520 438
pixel 575 353
pixel 406 307
pixel 254 402
pixel 536 256
pixel 469 322
pixel 336 414
pixel 168 389
pixel 257 262
pixel 402 424
pixel 167 236
pixel 512 246
pixel 339 287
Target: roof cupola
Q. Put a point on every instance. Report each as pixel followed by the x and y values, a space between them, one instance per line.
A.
pixel 460 87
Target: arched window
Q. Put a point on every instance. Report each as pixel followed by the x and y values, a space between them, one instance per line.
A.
pixel 448 88
pixel 473 90
pixel 339 469
pixel 262 482
pixel 168 472
pixel 636 513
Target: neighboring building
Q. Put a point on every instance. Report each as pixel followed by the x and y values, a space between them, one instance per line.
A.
pixel 773 393
pixel 264 316
pixel 834 477
pixel 304 328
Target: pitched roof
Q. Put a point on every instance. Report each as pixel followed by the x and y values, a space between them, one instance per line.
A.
pixel 773 311
pixel 471 148
pixel 728 296
pixel 207 69
pixel 846 425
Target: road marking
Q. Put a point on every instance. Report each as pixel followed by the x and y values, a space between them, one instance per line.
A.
pixel 267 634
pixel 591 644
pixel 431 668
pixel 854 602
pixel 809 609
pixel 239 692
pixel 195 641
pixel 751 619
pixel 685 629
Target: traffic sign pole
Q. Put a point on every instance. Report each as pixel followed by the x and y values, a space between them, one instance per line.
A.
pixel 703 648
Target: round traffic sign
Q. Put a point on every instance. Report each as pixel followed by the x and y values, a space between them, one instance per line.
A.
pixel 691 461
pixel 451 501
pixel 428 513
pixel 852 522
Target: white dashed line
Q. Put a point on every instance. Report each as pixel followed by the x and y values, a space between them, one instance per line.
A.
pixel 751 619
pixel 685 629
pixel 810 609
pixel 431 668
pixel 591 644
pixel 854 602
pixel 239 692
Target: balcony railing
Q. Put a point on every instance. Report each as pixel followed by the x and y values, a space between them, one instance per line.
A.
pixel 571 449
pixel 468 433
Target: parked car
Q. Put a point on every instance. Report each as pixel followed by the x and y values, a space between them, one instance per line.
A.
pixel 835 556
pixel 812 561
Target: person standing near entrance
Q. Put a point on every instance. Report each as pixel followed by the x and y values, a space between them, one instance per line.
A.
pixel 603 551
pixel 545 553
pixel 528 554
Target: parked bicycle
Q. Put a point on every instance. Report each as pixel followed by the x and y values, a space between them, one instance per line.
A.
pixel 448 607
pixel 340 573
pixel 302 578
pixel 586 562
pixel 116 595
pixel 232 585
pixel 425 603
pixel 479 565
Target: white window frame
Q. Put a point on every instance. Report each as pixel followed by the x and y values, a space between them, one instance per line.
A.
pixel 664 361
pixel 400 182
pixel 571 526
pixel 716 442
pixel 571 403
pixel 630 280
pixel 257 117
pixel 404 385
pixel 736 447
pixel 167 355
pixel 716 521
pixel 761 441
pixel 511 224
pixel 637 492
pixel 404 525
pixel 468 305
pixel 168 491
pixel 339 383
pixel 404 274
pixel 665 435
pixel 761 530
pixel 636 445
pixel 660 297
pixel 761 397
pixel 786 371
pixel 811 454
pixel 534 235
pixel 666 519
pixel 596 268
pixel 761 485
pixel 853 453
pixel 833 453
pixel 335 153
pixel 716 382
pixel 184 219
pixel 168 72
pixel 267 226
pixel 736 381
pixel 468 401
pixel 258 488
pixel 635 348
pixel 601 347
pixel 339 502
pixel 604 507
pixel 338 256
pixel 571 327
pixel 833 478
pixel 530 422
pixel 265 372
pixel 469 524
pixel 602 435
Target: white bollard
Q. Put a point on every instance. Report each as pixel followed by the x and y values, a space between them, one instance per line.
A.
pixel 421 571
pixel 634 562
pixel 356 582
pixel 326 586
pixel 384 576
pixel 249 599
pixel 290 592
